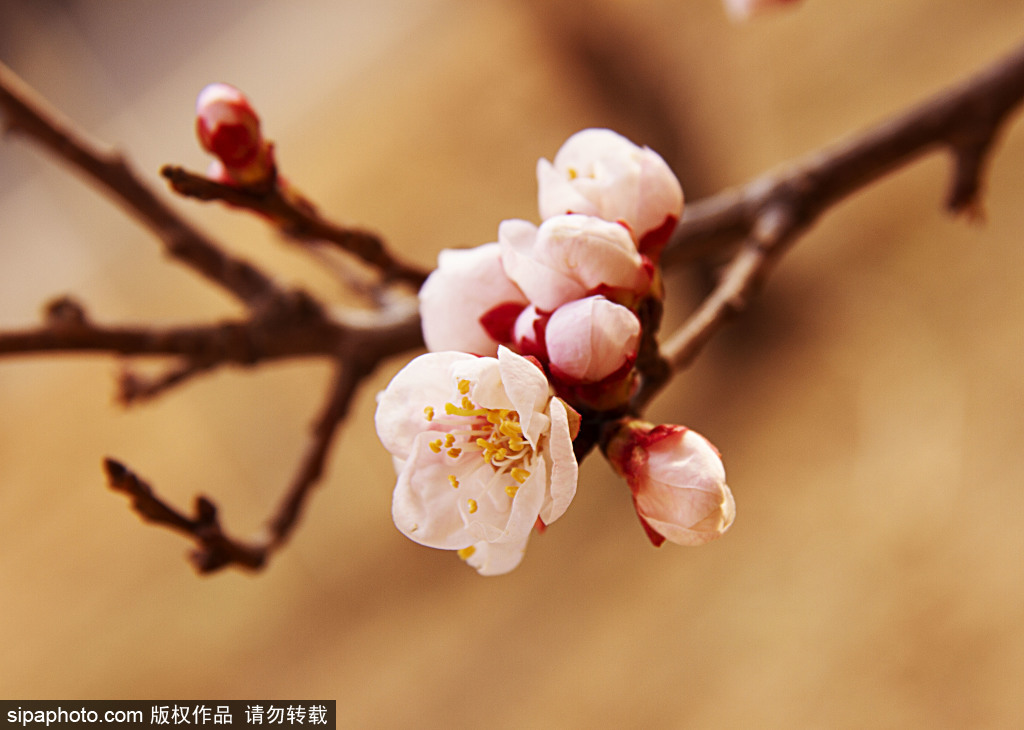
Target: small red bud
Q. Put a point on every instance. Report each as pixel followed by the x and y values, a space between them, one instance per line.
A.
pixel 228 127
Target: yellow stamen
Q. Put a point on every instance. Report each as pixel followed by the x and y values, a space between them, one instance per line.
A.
pixel 453 481
pixel 511 428
pixel 520 474
pixel 463 386
pixel 428 413
pixel 511 490
pixel 472 505
pixel 497 416
pixel 449 440
pixel 466 553
pixel 454 452
pixel 435 446
pixel 453 410
pixel 572 173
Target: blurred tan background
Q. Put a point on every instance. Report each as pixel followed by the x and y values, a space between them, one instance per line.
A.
pixel 870 407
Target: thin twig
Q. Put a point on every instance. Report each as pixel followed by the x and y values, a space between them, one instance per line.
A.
pixel 281 323
pixel 133 388
pixel 346 380
pixel 27 113
pixel 215 549
pixel 735 287
pixel 769 213
pixel 299 219
pixel 965 119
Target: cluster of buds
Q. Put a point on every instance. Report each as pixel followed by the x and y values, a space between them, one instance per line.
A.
pixel 531 335
pixel 567 291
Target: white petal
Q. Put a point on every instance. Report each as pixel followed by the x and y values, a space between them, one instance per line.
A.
pixel 424 504
pixel 592 251
pixel 497 559
pixel 526 504
pixel 467 284
pixel 544 282
pixel 485 386
pixel 528 389
pixel 556 195
pixel 562 464
pixel 690 461
pixel 425 381
pixel 696 517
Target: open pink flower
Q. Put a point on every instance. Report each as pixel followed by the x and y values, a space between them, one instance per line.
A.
pixel 468 303
pixel 570 257
pixel 482 451
pixel 601 173
pixel 228 127
pixel 590 339
pixel 677 480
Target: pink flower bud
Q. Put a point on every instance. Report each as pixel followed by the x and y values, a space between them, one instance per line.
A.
pixel 468 304
pixel 601 173
pixel 591 339
pixel 228 127
pixel 677 480
pixel 570 257
pixel 745 9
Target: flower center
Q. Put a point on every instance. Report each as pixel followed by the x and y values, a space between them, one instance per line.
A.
pixel 493 433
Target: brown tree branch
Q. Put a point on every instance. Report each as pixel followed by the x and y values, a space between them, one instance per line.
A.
pixel 269 335
pixel 133 388
pixel 346 381
pixel 215 548
pixel 280 324
pixel 965 119
pixel 298 218
pixel 769 213
pixel 27 113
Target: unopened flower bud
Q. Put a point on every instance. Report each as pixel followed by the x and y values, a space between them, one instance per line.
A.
pixel 677 480
pixel 229 128
pixel 591 339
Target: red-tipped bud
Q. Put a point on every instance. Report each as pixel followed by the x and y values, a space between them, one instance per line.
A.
pixel 677 480
pixel 228 127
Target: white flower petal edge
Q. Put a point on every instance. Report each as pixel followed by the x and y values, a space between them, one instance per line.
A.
pixel 569 256
pixel 599 172
pixel 467 285
pixel 482 450
pixel 496 558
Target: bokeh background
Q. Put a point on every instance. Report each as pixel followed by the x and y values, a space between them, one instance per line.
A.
pixel 870 406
